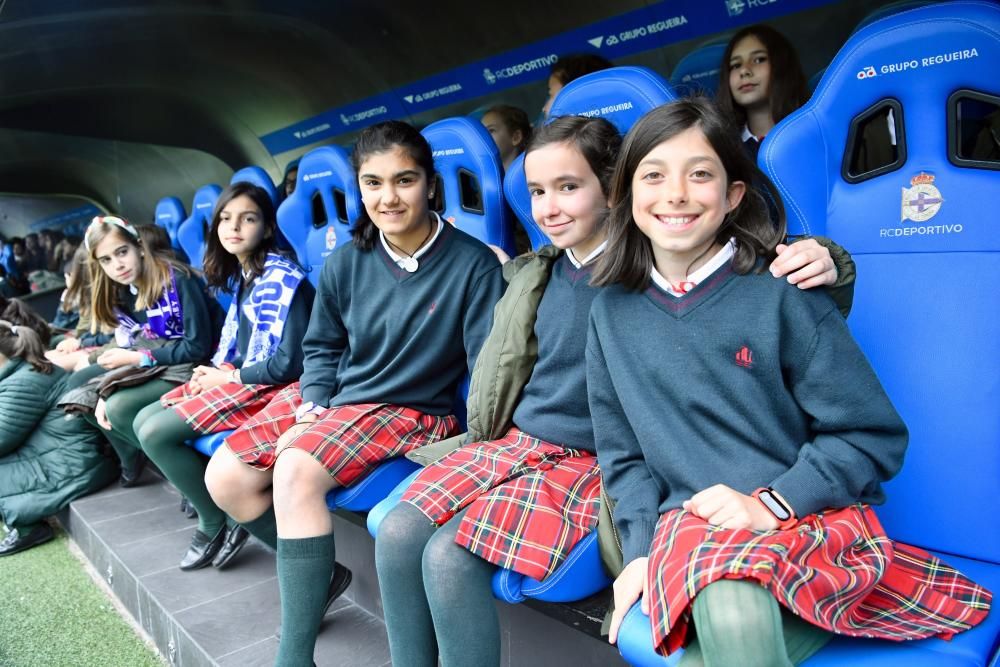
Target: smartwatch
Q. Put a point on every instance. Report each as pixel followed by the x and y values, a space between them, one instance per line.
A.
pixel 766 496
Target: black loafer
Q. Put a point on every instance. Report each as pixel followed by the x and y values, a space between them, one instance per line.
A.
pixel 15 541
pixel 203 549
pixel 131 473
pixel 236 537
pixel 339 582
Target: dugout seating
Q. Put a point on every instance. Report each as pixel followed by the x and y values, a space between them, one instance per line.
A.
pixel 169 215
pixel 319 215
pixel 925 309
pixel 469 191
pixel 620 94
pixel 191 233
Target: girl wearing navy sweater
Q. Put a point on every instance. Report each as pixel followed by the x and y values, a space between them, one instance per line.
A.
pixel 172 326
pixel 399 317
pixel 739 428
pixel 259 352
pixel 523 501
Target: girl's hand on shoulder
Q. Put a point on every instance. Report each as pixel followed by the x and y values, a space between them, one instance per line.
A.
pixel 111 359
pixel 724 507
pixel 101 414
pixel 631 585
pixel 806 264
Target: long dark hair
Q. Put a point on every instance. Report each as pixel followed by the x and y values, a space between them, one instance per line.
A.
pixel 629 256
pixel 382 138
pixel 596 139
pixel 24 334
pixel 222 269
pixel 515 120
pixel 788 88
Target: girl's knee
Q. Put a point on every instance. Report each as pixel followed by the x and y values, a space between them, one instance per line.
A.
pixel 227 479
pixel 404 529
pixel 298 477
pixel 450 569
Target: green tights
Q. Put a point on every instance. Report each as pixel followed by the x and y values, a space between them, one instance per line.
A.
pixel 738 622
pixel 162 432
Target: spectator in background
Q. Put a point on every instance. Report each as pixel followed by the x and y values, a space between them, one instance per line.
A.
pixel 510 128
pixel 34 253
pixel 288 182
pixel 765 82
pixel 571 67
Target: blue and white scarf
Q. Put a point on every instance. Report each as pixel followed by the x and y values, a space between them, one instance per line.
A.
pixel 267 308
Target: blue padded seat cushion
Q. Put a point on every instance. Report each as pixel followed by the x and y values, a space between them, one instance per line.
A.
pixel 579 576
pixel 373 488
pixel 207 444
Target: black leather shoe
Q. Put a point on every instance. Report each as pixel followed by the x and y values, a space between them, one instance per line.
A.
pixel 339 582
pixel 203 549
pixel 235 539
pixel 132 473
pixel 15 541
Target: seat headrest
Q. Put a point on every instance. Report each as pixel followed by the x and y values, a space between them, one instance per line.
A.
pixel 191 233
pixel 471 172
pixel 170 214
pixel 698 72
pixel 319 215
pixel 917 58
pixel 257 176
pixel 622 95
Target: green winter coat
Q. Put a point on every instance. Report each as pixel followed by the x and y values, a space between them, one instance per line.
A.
pixel 47 458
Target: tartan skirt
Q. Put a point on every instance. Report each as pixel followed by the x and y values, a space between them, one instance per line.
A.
pixel 221 408
pixel 529 501
pixel 836 570
pixel 348 440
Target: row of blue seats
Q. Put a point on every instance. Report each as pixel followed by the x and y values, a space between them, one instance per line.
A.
pixel 914 276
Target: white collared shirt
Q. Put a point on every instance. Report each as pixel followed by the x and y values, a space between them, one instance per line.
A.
pixel 400 259
pixel 594 253
pixel 747 134
pixel 704 271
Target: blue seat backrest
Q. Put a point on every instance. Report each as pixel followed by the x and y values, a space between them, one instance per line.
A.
pixel 926 308
pixel 259 177
pixel 698 72
pixel 170 214
pixel 471 172
pixel 191 233
pixel 319 215
pixel 620 94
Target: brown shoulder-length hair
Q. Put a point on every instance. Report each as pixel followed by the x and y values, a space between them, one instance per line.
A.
pixel 20 341
pixel 596 139
pixel 222 269
pixel 154 269
pixel 77 295
pixel 628 258
pixel 382 138
pixel 789 88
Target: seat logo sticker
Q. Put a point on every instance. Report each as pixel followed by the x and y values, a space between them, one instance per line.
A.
pixel 922 200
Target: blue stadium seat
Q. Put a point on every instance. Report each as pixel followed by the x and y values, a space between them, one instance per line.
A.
pixel 191 233
pixel 620 94
pixel 170 214
pixel 371 489
pixel 207 444
pixel 698 72
pixel 319 215
pixel 926 309
pixel 468 162
pixel 257 176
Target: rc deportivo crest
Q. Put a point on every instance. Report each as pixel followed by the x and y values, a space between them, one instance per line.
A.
pixel 922 201
pixel 331 238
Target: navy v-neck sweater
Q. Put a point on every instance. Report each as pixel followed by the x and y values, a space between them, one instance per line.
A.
pixel 381 335
pixel 745 381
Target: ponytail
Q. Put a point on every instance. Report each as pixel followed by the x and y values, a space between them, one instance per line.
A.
pixel 23 342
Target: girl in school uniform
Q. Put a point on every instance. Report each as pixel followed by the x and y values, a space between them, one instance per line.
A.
pixel 740 430
pixel 762 82
pixel 399 317
pixel 523 498
pixel 259 352
pixel 173 325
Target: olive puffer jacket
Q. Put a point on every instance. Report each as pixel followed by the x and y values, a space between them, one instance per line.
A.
pixel 47 458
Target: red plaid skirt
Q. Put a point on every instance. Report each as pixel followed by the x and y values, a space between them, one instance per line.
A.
pixel 348 440
pixel 837 570
pixel 221 408
pixel 530 501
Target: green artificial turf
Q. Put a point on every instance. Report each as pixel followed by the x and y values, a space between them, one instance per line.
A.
pixel 52 614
